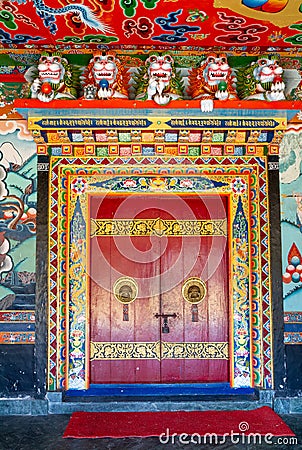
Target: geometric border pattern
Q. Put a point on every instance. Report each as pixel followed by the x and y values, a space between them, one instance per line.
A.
pixel 245 183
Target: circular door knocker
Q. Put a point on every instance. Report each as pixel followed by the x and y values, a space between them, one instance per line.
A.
pixel 125 290
pixel 194 290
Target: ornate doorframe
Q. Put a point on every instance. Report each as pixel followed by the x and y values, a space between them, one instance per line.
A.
pixel 243 180
pixel 167 253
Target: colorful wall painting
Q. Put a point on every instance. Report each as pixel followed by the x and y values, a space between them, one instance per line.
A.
pixel 291 229
pixel 63 23
pixel 18 210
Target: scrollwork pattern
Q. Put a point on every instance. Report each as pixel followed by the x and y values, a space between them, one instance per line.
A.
pixel 159 227
pixel 158 350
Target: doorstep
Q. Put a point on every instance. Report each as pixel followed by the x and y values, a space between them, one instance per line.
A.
pixel 61 403
pixel 157 398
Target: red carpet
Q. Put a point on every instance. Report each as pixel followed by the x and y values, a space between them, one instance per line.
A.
pixel 143 424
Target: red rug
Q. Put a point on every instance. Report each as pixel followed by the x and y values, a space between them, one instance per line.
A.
pixel 263 421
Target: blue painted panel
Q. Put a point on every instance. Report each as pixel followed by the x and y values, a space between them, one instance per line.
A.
pixel 14 327
pixel 293 327
pixel 129 390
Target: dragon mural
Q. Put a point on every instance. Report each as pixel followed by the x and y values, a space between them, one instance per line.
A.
pixel 151 23
pixel 85 14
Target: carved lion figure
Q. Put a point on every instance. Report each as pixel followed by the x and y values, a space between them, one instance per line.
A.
pixel 261 80
pixel 105 77
pixel 212 80
pixel 158 80
pixel 53 78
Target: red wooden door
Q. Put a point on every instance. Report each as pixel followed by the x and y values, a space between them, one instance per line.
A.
pixel 129 342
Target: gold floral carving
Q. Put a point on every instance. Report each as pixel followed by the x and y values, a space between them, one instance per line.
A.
pixel 158 227
pixel 158 350
pixel 195 350
pixel 124 350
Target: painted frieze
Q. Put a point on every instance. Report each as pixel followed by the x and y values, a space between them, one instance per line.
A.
pixel 150 136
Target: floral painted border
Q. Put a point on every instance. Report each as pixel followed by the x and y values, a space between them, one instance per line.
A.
pixel 244 180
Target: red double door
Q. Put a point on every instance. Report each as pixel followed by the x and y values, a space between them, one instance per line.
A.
pixel 158 334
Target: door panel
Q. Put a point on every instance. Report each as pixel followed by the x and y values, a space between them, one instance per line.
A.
pixel 160 264
pixel 137 258
pixel 212 312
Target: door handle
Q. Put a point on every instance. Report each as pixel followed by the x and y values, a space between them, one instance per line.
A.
pixel 157 315
pixel 165 328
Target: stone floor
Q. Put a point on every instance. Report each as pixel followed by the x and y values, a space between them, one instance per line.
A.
pixel 45 433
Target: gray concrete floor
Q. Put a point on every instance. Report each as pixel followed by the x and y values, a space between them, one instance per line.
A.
pixel 45 433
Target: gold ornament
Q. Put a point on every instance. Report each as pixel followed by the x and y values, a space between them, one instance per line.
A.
pixel 125 290
pixel 194 290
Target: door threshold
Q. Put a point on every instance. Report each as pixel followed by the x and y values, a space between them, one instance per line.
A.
pixel 122 391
